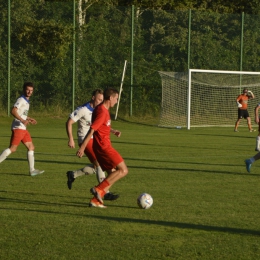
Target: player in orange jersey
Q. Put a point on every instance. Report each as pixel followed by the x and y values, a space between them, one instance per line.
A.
pixel 242 101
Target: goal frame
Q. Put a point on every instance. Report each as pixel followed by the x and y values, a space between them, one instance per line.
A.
pixel 208 71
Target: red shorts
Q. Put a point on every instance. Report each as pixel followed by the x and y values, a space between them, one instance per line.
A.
pixel 89 151
pixel 20 135
pixel 108 158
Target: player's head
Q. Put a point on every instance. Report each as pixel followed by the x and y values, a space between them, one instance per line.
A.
pixel 111 94
pixel 245 90
pixel 97 97
pixel 28 88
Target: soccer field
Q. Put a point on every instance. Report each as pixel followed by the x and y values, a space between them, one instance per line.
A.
pixel 206 205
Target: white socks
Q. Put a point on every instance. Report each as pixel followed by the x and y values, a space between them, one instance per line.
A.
pixel 5 154
pixel 87 170
pixel 100 174
pixel 30 157
pixel 257 143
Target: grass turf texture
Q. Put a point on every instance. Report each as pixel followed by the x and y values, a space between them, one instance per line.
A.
pixel 206 206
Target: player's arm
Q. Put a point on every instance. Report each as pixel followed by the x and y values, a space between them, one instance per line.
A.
pixel 15 114
pixel 31 120
pixel 80 151
pixel 69 124
pixel 256 113
pixel 251 94
pixel 238 103
pixel 115 132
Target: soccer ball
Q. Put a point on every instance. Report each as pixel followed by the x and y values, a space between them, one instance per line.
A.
pixel 145 201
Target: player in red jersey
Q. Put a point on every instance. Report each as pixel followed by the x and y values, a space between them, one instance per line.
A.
pixel 109 159
pixel 242 101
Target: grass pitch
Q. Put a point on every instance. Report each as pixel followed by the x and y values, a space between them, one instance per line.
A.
pixel 206 206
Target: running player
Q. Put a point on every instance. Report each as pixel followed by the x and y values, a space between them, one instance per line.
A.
pixel 109 159
pixel 82 115
pixel 19 132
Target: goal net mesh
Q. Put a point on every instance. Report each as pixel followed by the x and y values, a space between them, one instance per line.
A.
pixel 212 98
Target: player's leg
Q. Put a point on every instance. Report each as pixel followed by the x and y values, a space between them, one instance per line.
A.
pixel 238 120
pixel 113 176
pixel 5 153
pixel 14 142
pixel 251 160
pixel 249 124
pixel 87 170
pixel 257 147
pixel 27 141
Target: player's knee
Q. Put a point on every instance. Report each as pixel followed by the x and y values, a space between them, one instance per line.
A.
pixel 125 171
pixel 13 149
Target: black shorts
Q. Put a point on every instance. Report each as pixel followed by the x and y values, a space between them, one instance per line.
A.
pixel 243 113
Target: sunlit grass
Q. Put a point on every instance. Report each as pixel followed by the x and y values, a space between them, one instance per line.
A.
pixel 206 206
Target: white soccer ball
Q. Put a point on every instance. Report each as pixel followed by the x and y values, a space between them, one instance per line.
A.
pixel 145 201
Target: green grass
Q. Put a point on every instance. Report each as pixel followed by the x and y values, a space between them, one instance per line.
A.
pixel 206 206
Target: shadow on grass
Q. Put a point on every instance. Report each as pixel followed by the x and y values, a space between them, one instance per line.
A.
pixel 172 224
pixel 172 169
pixel 183 225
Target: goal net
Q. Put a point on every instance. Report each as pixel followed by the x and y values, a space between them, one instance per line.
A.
pixel 200 98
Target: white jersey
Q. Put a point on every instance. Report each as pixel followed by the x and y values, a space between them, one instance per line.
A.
pixel 22 104
pixel 82 115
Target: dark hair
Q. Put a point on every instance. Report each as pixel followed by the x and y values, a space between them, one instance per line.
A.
pixel 110 92
pixel 27 84
pixel 245 90
pixel 97 91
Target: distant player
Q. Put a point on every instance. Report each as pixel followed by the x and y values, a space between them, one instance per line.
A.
pixel 109 159
pixel 242 102
pixel 83 115
pixel 19 132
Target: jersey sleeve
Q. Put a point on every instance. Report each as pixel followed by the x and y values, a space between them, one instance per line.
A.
pixel 77 114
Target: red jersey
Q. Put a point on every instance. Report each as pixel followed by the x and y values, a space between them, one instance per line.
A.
pixel 107 156
pixel 101 123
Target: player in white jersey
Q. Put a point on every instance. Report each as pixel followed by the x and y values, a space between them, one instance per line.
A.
pixel 19 131
pixel 256 157
pixel 82 115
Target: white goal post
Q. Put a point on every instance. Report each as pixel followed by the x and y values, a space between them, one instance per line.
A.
pixel 200 98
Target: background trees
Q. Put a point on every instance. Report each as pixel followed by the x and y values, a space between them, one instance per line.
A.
pixel 42 45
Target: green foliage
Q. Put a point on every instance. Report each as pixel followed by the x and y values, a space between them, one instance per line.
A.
pixel 42 45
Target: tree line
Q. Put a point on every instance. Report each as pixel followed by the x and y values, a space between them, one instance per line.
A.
pixel 43 33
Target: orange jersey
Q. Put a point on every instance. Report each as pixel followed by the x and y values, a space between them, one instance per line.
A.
pixel 243 100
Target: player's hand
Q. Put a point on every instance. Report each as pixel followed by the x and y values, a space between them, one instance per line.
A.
pixel 71 143
pixel 32 121
pixel 117 133
pixel 239 105
pixel 80 152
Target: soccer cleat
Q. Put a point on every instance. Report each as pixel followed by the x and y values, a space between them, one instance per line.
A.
pixel 96 194
pixel 252 130
pixel 70 175
pixel 36 172
pixel 110 196
pixel 236 130
pixel 95 203
pixel 248 165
